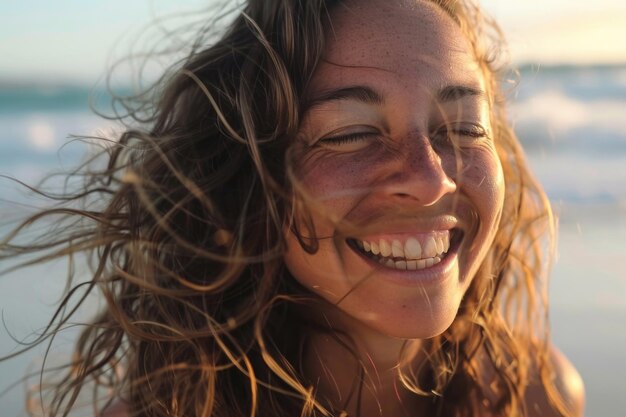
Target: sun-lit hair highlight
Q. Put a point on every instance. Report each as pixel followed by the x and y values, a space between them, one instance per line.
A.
pixel 184 227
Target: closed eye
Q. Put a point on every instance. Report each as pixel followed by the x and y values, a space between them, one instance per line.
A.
pixel 349 142
pixel 350 138
pixel 461 132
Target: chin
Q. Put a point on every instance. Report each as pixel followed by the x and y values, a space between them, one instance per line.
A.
pixel 423 317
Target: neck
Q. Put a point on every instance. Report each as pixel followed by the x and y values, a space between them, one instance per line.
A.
pixel 357 371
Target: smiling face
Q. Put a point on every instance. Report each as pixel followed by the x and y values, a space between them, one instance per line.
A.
pixel 395 142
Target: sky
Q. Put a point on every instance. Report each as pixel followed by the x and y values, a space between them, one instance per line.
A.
pixel 73 40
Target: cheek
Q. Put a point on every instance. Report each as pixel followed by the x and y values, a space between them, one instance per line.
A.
pixel 330 175
pixel 323 180
pixel 324 176
pixel 482 179
pixel 319 272
pixel 336 183
pixel 482 183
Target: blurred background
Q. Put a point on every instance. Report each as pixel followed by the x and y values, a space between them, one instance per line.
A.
pixel 568 106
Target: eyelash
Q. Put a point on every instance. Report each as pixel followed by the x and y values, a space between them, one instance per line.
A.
pixel 475 132
pixel 350 138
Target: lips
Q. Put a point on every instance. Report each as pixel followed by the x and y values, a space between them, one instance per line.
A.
pixel 408 251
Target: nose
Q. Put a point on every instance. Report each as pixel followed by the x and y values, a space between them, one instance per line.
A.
pixel 419 174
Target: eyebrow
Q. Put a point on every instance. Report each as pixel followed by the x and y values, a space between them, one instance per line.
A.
pixel 359 93
pixel 457 92
pixel 369 96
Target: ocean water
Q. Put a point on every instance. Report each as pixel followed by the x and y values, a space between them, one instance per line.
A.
pixel 572 123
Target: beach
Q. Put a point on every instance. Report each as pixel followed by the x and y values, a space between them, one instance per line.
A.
pixel 570 120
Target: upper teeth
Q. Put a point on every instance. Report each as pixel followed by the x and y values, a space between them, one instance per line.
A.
pixel 421 246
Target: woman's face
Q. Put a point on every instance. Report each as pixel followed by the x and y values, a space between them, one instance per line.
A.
pixel 396 141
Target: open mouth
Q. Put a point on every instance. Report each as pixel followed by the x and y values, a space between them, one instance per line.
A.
pixel 410 253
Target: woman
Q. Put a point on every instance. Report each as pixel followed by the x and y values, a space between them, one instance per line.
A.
pixel 328 215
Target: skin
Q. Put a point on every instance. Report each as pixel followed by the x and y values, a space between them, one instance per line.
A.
pixel 401 177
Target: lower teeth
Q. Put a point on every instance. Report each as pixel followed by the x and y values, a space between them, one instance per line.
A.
pixel 410 265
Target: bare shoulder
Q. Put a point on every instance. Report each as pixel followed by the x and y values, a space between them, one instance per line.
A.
pixel 565 380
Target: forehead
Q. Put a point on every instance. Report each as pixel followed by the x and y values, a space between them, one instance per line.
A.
pixel 411 40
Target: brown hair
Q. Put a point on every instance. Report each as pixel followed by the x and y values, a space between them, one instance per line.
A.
pixel 185 228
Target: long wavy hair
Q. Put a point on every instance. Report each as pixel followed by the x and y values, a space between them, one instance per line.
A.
pixel 184 227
